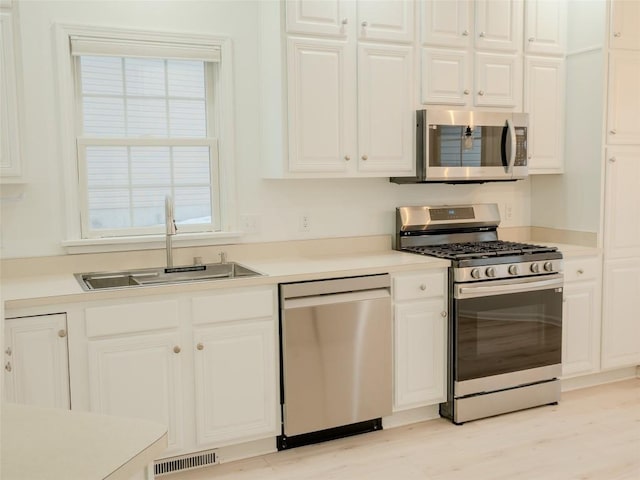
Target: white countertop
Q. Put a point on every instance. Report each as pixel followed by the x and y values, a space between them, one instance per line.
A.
pixel 57 288
pixel 39 443
pixel 25 291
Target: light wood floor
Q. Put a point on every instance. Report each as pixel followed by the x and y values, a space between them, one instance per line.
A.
pixel 592 434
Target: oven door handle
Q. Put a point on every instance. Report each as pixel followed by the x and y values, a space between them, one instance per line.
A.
pixel 511 286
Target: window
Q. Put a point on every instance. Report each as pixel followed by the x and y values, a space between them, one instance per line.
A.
pixel 146 111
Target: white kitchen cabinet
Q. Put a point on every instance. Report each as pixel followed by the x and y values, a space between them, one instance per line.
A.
pixel 384 20
pixel 321 78
pixel 204 364
pixel 447 79
pixel 545 27
pixel 337 88
pixel 544 82
pixel 581 316
pixel 623 116
pixel 625 19
pixel 319 17
pixel 622 202
pixel 139 376
pixel 484 73
pixel 235 370
pixel 135 363
pixel 620 321
pixel 10 150
pixel 498 25
pixel 492 24
pixel 235 375
pixel 36 361
pixel 498 80
pixel 446 23
pixel 420 334
pixel 385 120
pixel 350 103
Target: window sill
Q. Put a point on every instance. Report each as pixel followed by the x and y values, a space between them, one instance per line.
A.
pixel 147 242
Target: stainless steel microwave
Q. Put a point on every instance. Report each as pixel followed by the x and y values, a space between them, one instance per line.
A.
pixel 469 147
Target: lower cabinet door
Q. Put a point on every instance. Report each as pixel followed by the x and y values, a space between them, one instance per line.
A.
pixel 235 379
pixel 420 344
pixel 620 324
pixel 37 361
pixel 139 376
pixel 581 328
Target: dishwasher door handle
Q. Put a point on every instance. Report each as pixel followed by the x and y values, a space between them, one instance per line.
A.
pixel 318 300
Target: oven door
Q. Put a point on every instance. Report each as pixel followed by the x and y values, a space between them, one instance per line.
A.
pixel 506 333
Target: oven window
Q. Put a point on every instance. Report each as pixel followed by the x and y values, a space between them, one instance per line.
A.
pixel 507 333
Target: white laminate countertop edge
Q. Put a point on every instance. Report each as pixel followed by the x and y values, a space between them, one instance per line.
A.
pixel 55 443
pixel 52 289
pixel 29 291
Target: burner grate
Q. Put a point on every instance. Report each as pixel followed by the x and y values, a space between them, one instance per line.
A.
pixel 467 250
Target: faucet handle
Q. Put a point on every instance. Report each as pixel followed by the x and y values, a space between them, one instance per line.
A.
pixel 223 257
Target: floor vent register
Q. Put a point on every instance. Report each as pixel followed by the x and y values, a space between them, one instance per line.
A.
pixel 186 462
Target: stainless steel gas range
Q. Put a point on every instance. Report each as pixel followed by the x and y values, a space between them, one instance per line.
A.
pixel 505 309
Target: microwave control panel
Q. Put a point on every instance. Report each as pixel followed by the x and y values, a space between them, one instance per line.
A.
pixel 521 147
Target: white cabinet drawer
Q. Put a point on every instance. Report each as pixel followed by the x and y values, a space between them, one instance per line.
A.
pixel 131 317
pixel 418 285
pixel 221 307
pixel 582 268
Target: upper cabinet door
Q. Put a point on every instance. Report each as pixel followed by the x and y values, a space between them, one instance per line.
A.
pixel 545 27
pixel 10 163
pixel 322 105
pixel 446 23
pixel 498 80
pixel 625 19
pixel 499 25
pixel 385 109
pixel 623 119
pixel 446 76
pixel 333 18
pixel 544 102
pixel 386 20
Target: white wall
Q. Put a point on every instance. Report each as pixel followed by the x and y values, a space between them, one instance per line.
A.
pixel 34 225
pixel 572 201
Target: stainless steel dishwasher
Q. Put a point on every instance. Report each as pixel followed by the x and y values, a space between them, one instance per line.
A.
pixel 336 358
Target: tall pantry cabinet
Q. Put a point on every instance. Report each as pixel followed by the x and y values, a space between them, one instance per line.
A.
pixel 621 285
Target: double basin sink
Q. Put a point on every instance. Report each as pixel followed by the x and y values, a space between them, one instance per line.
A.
pixel 163 276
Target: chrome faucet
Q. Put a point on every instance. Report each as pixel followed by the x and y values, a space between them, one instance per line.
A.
pixel 170 228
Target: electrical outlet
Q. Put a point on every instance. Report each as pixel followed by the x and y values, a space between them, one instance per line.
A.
pixel 508 211
pixel 250 223
pixel 305 223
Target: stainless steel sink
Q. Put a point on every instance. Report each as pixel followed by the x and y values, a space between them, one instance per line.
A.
pixel 160 276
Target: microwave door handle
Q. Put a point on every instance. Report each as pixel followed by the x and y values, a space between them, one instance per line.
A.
pixel 512 153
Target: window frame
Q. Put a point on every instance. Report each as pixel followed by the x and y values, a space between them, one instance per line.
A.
pixel 220 120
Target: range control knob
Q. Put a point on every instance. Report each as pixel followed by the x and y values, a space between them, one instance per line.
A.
pixel 475 273
pixel 513 269
pixel 548 266
pixel 490 272
pixel 535 268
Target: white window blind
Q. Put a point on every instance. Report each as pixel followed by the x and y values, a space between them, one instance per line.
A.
pixel 83 45
pixel 145 132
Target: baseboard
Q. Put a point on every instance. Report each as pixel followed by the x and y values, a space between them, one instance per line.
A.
pixel 241 451
pixel 591 380
pixel 407 417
